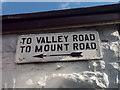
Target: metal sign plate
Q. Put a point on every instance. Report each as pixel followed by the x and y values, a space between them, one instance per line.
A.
pixel 82 45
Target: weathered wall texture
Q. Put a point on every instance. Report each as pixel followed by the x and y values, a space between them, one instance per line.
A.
pixel 78 74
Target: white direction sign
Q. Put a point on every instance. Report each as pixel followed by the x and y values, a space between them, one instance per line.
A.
pixel 82 45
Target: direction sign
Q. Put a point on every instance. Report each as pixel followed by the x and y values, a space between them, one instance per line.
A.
pixel 82 45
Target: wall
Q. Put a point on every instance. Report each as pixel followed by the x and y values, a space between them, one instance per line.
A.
pixel 78 74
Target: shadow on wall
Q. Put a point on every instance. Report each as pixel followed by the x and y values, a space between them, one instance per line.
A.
pixel 86 79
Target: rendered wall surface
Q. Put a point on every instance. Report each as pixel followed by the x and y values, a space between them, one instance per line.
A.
pixel 78 74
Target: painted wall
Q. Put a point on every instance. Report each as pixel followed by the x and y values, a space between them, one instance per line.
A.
pixel 78 74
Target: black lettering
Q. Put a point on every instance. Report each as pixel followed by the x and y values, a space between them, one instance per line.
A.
pixel 81 37
pixel 66 46
pixel 46 48
pixel 66 38
pixel 28 48
pixel 38 39
pixel 92 37
pixel 53 47
pixel 86 37
pixel 47 41
pixel 82 46
pixel 29 40
pixel 87 46
pixel 75 38
pixel 38 49
pixel 60 38
pixel 93 45
pixel 23 40
pixel 43 40
pixel 53 39
pixel 75 46
pixel 22 47
pixel 59 47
